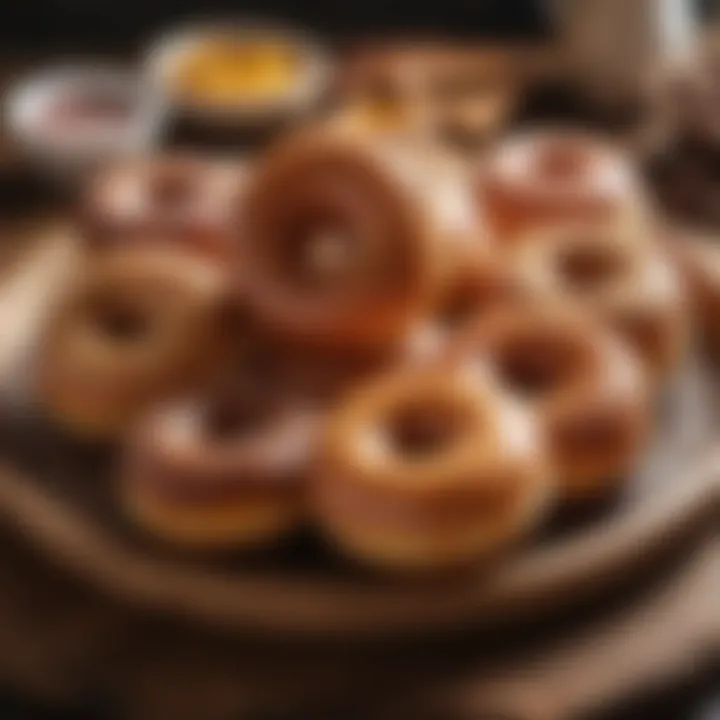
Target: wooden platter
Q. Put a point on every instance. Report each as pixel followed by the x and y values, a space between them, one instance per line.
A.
pixel 58 496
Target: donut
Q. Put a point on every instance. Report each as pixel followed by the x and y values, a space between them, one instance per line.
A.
pixel 631 285
pixel 220 473
pixel 481 282
pixel 382 97
pixel 140 325
pixel 473 95
pixel 542 177
pixel 428 469
pixel 384 112
pixel 698 259
pixel 586 388
pixel 394 70
pixel 344 243
pixel 176 200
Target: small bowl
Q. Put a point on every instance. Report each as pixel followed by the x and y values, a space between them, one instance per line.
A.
pixel 45 117
pixel 304 93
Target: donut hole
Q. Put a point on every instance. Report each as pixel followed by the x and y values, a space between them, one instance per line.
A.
pixel 535 367
pixel 170 190
pixel 320 254
pixel 466 300
pixel 232 419
pixel 561 160
pixel 420 429
pixel 121 321
pixel 588 267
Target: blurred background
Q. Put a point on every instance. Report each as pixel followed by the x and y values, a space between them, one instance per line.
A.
pixel 77 25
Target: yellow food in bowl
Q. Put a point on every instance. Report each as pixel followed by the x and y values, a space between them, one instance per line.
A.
pixel 227 72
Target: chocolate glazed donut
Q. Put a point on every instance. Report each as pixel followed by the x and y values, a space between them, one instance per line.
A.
pixel 178 200
pixel 628 283
pixel 141 325
pixel 429 469
pixel 220 473
pixel 341 240
pixel 588 391
pixel 548 176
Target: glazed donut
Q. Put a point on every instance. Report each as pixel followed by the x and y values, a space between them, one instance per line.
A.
pixel 218 474
pixel 481 283
pixel 548 176
pixel 632 287
pixel 588 391
pixel 140 325
pixel 382 97
pixel 384 113
pixel 177 200
pixel 473 95
pixel 395 70
pixel 428 469
pixel 698 260
pixel 344 243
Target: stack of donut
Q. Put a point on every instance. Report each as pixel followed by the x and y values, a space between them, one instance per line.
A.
pixel 418 361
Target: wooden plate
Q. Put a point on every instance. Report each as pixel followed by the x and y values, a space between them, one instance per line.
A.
pixel 58 495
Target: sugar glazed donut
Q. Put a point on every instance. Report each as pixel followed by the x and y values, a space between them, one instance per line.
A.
pixel 428 469
pixel 222 473
pixel 341 242
pixel 178 200
pixel 546 176
pixel 628 283
pixel 588 391
pixel 139 326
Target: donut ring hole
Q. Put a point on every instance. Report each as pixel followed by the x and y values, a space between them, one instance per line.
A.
pixel 562 161
pixel 170 190
pixel 538 366
pixel 319 253
pixel 587 267
pixel 120 320
pixel 230 420
pixel 422 428
pixel 466 301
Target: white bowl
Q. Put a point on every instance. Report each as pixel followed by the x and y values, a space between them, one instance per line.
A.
pixel 71 156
